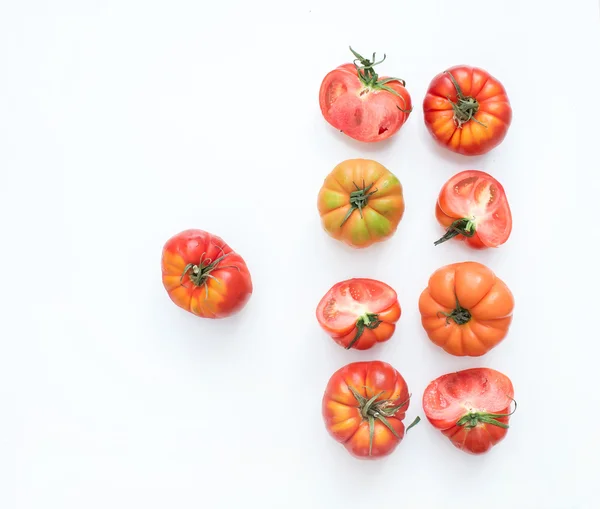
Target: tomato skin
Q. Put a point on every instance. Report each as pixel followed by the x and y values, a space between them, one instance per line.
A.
pixel 452 397
pixel 476 196
pixel 363 106
pixel 494 111
pixel 354 299
pixel 378 218
pixel 224 293
pixel 341 410
pixel 487 305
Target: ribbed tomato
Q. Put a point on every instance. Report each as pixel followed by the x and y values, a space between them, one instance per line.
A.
pixel 466 309
pixel 204 276
pixel 472 206
pixel 355 100
pixel 363 408
pixel 470 407
pixel 467 110
pixel 358 313
pixel 361 202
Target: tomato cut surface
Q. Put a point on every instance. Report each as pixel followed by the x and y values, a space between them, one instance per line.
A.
pixel 358 313
pixel 356 100
pixel 475 204
pixel 347 301
pixel 471 407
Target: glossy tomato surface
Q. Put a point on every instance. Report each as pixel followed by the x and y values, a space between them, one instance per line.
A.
pixel 473 208
pixel 359 313
pixel 466 309
pixel 204 276
pixel 366 107
pixel 363 408
pixel 467 110
pixel 471 407
pixel 360 203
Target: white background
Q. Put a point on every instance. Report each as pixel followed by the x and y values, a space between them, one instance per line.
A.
pixel 124 122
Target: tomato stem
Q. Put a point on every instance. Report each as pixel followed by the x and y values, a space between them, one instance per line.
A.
pixel 462 226
pixel 373 408
pixel 465 107
pixel 359 200
pixel 459 314
pixel 370 79
pixel 472 419
pixel 200 273
pixel 369 321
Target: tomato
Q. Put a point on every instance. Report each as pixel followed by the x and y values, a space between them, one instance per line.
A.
pixel 355 100
pixel 470 407
pixel 466 309
pixel 361 202
pixel 472 206
pixel 467 110
pixel 204 276
pixel 363 408
pixel 358 313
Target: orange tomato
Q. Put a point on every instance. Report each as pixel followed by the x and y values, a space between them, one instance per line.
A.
pixel 363 408
pixel 467 110
pixel 466 309
pixel 204 276
pixel 361 202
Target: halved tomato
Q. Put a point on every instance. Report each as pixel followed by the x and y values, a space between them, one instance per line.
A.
pixel 358 313
pixel 472 206
pixel 470 407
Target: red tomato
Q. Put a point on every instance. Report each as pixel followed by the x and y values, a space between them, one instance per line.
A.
pixel 467 110
pixel 204 276
pixel 470 407
pixel 355 100
pixel 358 313
pixel 472 206
pixel 363 408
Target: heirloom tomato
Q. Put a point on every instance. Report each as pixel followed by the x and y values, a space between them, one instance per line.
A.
pixel 358 313
pixel 466 309
pixel 204 276
pixel 361 202
pixel 467 110
pixel 470 407
pixel 472 206
pixel 363 408
pixel 355 100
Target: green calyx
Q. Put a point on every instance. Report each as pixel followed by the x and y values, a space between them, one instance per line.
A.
pixel 462 226
pixel 472 419
pixel 366 321
pixel 465 107
pixel 200 273
pixel 359 200
pixel 371 409
pixel 370 79
pixel 459 315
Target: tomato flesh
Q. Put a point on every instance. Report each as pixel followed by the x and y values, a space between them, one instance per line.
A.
pixel 452 398
pixel 349 300
pixel 478 197
pixel 365 113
